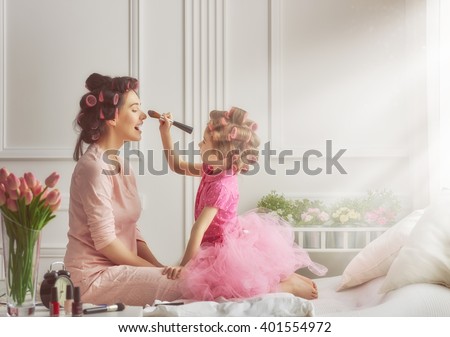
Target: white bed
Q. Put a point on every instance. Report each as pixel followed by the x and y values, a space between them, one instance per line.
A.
pixel 414 300
pixel 419 299
pixel 404 272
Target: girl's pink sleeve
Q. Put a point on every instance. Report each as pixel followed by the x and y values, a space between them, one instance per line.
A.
pixel 97 190
pixel 217 196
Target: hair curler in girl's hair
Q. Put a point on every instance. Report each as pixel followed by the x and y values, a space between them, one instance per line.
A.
pixel 179 125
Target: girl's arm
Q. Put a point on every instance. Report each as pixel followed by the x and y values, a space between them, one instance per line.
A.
pixel 120 255
pixel 173 159
pixel 198 229
pixel 144 251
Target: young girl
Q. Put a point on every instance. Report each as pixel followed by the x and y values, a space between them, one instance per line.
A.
pixel 228 255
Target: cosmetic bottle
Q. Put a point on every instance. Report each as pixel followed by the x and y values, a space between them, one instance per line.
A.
pixel 77 306
pixel 69 300
pixel 54 304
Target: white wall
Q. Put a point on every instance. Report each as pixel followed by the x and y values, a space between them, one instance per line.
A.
pixel 353 72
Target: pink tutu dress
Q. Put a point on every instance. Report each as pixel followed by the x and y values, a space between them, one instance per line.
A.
pixel 240 256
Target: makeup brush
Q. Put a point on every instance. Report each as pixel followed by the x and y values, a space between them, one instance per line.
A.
pixel 179 125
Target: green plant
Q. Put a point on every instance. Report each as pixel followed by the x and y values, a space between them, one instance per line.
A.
pixel 378 207
pixel 279 204
pixel 290 210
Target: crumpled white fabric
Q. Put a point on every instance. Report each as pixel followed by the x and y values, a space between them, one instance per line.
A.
pixel 268 305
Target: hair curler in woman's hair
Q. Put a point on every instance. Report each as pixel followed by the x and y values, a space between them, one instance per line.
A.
pixel 179 125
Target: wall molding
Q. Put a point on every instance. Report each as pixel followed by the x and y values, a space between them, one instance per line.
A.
pixel 444 100
pixel 8 152
pixel 204 63
pixel 433 93
pixel 134 38
pixel 2 75
pixel 276 89
pixel 275 72
pixel 135 52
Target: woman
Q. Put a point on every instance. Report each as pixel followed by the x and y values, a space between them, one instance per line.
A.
pixel 106 255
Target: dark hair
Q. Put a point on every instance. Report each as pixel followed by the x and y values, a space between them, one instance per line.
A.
pixel 100 104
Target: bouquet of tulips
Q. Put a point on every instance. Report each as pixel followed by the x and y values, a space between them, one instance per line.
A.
pixel 26 207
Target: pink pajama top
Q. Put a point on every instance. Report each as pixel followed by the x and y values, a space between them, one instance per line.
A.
pixel 102 207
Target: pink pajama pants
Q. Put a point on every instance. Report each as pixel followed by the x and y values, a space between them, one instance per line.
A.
pixel 130 285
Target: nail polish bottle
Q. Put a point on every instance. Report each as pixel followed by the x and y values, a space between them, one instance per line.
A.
pixel 54 304
pixel 77 306
pixel 69 300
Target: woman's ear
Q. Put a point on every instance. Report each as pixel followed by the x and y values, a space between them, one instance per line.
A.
pixel 111 122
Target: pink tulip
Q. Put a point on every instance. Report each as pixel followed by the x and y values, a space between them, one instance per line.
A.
pixel 52 180
pixel 23 185
pixel 12 182
pixel 12 205
pixel 30 179
pixel 2 196
pixel 55 206
pixel 3 174
pixel 14 194
pixel 28 195
pixel 44 193
pixel 37 189
pixel 52 197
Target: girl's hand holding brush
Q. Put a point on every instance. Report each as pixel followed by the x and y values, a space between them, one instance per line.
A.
pixel 165 122
pixel 179 125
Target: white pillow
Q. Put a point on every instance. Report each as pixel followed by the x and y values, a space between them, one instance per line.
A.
pixel 425 257
pixel 375 259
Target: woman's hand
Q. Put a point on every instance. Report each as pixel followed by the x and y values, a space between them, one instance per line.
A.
pixel 144 251
pixel 172 272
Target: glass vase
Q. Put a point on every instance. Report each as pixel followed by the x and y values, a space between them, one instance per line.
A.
pixel 21 248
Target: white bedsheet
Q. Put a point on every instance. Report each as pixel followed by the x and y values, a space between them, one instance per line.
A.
pixel 273 305
pixel 415 300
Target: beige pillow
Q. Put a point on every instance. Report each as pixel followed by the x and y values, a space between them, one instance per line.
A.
pixel 425 257
pixel 375 259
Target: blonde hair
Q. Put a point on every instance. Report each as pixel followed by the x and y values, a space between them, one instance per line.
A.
pixel 233 136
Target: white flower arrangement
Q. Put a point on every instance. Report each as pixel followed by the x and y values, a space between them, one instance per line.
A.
pixel 379 208
pixel 297 212
pixel 345 215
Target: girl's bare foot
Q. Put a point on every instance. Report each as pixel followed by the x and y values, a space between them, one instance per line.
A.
pixel 299 287
pixel 308 280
